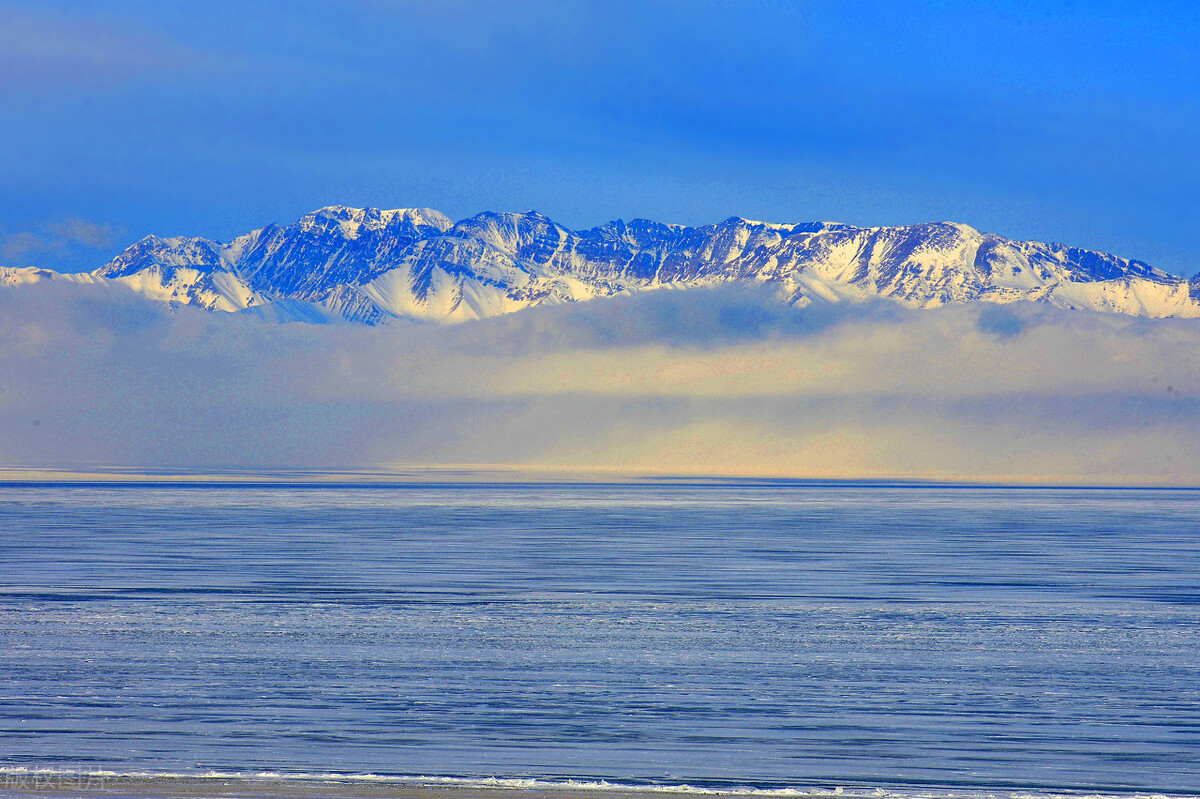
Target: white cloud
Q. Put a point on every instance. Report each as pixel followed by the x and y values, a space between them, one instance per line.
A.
pixel 716 382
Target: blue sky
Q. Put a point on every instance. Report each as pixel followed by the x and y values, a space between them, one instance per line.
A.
pixel 1073 122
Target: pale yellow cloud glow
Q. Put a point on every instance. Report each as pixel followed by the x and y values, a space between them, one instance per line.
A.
pixel 1022 394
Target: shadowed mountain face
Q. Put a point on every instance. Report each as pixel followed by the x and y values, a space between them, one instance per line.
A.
pixel 372 266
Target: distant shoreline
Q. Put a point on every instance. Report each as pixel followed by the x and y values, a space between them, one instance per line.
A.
pixel 450 476
pixel 104 784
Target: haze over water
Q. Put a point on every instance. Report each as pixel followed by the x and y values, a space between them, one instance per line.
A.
pixel 716 635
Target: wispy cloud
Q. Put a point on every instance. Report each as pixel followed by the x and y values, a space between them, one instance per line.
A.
pixel 57 243
pixel 41 48
pixel 16 246
pixel 716 382
pixel 81 231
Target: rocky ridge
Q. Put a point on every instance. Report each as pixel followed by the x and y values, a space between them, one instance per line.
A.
pixel 375 266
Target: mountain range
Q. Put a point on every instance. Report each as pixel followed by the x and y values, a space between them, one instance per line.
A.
pixel 376 266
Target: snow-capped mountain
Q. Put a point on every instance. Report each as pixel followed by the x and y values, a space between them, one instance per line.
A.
pixel 369 265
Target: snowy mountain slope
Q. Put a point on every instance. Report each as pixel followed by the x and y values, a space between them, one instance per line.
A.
pixel 373 266
pixel 27 275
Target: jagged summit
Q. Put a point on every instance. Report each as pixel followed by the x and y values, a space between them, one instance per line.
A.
pixel 352 220
pixel 372 265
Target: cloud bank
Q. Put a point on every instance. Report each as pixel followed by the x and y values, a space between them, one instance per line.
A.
pixel 700 382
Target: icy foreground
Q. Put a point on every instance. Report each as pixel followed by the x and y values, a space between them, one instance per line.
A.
pixel 373 266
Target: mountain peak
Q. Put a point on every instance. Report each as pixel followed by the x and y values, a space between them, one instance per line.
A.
pixel 372 265
pixel 352 220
